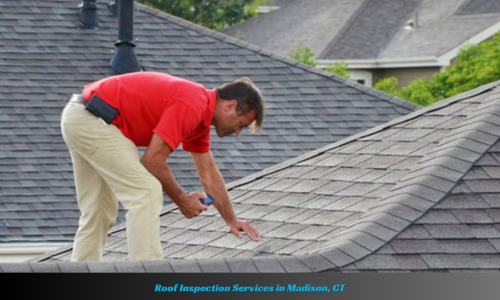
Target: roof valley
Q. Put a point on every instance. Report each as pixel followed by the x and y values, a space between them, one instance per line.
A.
pixel 343 30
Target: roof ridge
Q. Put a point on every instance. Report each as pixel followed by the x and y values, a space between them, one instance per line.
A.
pixel 436 106
pixel 415 194
pixel 231 40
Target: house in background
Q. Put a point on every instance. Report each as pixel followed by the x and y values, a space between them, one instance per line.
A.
pixel 419 193
pixel 46 55
pixel 406 39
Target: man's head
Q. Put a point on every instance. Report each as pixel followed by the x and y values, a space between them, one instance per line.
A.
pixel 239 105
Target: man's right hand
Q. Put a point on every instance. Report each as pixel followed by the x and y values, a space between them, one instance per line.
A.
pixel 191 206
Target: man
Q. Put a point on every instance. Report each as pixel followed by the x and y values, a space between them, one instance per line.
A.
pixel 161 112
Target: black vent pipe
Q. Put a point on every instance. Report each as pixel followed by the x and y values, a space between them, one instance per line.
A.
pixel 125 60
pixel 88 14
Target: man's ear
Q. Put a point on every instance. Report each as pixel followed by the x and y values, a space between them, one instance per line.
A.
pixel 232 104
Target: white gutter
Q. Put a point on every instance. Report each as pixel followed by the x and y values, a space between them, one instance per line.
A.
pixel 19 252
pixel 415 62
pixel 264 9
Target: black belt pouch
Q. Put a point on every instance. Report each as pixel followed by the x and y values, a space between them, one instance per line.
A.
pixel 98 107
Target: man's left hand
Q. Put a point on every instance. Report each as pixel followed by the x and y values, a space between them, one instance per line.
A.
pixel 245 226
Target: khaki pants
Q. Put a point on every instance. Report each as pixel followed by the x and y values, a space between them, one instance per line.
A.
pixel 107 167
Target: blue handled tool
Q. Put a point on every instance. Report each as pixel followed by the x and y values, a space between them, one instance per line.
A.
pixel 208 200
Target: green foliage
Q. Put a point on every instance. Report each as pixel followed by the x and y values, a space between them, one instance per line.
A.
pixel 214 14
pixel 387 85
pixel 303 55
pixel 240 35
pixel 338 68
pixel 306 56
pixel 420 91
pixel 476 65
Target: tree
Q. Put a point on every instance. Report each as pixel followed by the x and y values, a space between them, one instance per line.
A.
pixel 338 68
pixel 306 56
pixel 214 14
pixel 476 65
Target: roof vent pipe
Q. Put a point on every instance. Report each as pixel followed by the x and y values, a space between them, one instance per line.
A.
pixel 125 60
pixel 88 14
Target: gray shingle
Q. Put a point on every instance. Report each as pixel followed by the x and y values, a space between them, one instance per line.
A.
pixel 292 264
pixel 492 199
pixel 184 266
pixel 386 220
pixel 391 262
pixel 283 214
pixel 316 262
pixel 73 267
pixel 215 265
pixel 441 246
pixel 462 202
pixel 296 247
pixel 286 230
pixel 449 231
pixel 483 186
pixel 485 231
pixel 16 268
pixel 487 261
pixel 376 230
pixel 130 267
pixel 237 265
pixel 268 265
pixel 312 232
pixel 472 216
pixel 99 267
pixel 337 257
pixel 438 217
pixel 352 249
pixel 421 191
pixel 45 268
pixel 327 218
pixel 443 261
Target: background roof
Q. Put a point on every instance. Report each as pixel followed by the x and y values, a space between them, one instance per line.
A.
pixel 45 56
pixel 418 193
pixel 370 29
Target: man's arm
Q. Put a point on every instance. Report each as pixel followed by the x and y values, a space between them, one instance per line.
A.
pixel 213 183
pixel 154 160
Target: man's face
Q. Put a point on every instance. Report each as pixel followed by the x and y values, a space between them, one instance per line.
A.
pixel 231 123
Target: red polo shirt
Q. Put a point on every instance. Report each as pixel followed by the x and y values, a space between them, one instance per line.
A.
pixel 179 111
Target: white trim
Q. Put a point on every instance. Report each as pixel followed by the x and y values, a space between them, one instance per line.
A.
pixel 366 76
pixel 18 252
pixel 446 58
pixel 264 9
pixel 384 63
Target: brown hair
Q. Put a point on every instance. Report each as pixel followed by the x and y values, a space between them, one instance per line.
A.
pixel 248 96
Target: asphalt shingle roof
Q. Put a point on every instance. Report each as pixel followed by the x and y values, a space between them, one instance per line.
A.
pixel 419 193
pixel 45 56
pixel 370 29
